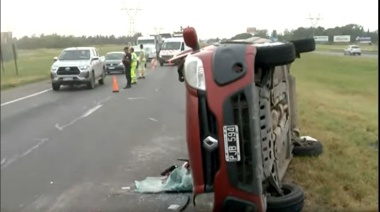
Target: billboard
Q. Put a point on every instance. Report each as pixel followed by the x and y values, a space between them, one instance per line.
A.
pixel 6 37
pixel 363 39
pixel 342 38
pixel 251 30
pixel 321 38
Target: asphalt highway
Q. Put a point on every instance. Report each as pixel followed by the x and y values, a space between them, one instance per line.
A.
pixel 76 149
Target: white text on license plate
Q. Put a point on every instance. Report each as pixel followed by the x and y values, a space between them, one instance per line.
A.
pixel 67 79
pixel 231 143
pixel 111 67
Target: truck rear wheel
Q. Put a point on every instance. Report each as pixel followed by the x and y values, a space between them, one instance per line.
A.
pixel 275 55
pixel 304 45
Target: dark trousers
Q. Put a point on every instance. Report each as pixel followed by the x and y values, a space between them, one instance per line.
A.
pixel 128 75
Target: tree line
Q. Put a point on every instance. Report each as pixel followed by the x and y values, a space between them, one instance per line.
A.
pixel 60 41
pixel 353 30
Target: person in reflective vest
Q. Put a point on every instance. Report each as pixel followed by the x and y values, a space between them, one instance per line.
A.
pixel 133 65
pixel 142 62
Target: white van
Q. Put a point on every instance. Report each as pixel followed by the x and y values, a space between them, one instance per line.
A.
pixel 171 47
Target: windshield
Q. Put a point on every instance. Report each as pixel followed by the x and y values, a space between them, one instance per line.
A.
pixel 75 55
pixel 114 56
pixel 146 41
pixel 171 46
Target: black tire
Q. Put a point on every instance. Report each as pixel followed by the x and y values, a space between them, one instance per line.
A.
pixel 55 86
pixel 304 45
pixel 161 64
pixel 308 149
pixel 101 80
pixel 91 84
pixel 359 54
pixel 292 201
pixel 270 56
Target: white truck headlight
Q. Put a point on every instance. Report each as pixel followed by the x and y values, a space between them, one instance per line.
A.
pixel 54 68
pixel 121 63
pixel 84 67
pixel 194 72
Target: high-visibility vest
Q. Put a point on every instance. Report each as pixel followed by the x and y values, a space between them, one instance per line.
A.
pixel 134 58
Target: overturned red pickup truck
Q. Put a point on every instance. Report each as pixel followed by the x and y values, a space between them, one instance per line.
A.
pixel 242 128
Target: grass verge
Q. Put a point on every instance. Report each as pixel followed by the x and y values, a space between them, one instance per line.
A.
pixel 34 65
pixel 366 49
pixel 338 104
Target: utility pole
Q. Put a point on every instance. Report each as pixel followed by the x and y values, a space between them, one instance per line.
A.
pixel 157 30
pixel 132 13
pixel 314 21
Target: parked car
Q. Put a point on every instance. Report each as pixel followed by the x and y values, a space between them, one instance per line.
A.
pixel 242 123
pixel 353 50
pixel 77 65
pixel 114 64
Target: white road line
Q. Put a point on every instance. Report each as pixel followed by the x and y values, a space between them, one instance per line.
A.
pixel 19 156
pixel 84 115
pixel 136 98
pixel 152 119
pixel 25 97
pixel 3 160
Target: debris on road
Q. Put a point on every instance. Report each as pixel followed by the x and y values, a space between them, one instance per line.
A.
pixel 126 188
pixel 179 180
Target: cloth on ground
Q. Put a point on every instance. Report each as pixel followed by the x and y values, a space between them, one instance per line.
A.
pixel 179 180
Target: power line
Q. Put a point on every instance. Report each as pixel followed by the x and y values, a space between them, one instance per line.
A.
pixel 314 21
pixel 132 14
pixel 157 30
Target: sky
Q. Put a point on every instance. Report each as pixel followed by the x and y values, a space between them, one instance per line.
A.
pixel 211 18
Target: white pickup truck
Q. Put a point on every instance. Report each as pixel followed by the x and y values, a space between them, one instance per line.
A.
pixel 77 66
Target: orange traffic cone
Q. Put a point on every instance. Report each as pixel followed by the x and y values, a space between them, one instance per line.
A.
pixel 114 85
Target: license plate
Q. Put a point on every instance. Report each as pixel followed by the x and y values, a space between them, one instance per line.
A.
pixel 231 143
pixel 111 67
pixel 67 79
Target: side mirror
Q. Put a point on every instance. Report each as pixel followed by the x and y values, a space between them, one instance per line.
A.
pixel 95 58
pixel 191 38
pixel 55 59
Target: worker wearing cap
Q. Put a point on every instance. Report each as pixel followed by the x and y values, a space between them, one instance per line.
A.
pixel 142 62
pixel 127 65
pixel 133 65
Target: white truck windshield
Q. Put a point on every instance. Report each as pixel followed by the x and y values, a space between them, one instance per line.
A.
pixel 75 55
pixel 145 41
pixel 171 46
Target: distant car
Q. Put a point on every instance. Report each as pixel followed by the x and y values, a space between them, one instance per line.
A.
pixel 114 62
pixel 77 65
pixel 352 50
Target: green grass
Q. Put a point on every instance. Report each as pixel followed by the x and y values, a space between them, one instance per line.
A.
pixel 366 49
pixel 338 104
pixel 34 65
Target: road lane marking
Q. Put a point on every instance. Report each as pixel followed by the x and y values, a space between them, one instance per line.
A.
pixel 19 156
pixel 136 98
pixel 152 119
pixel 84 115
pixel 25 97
pixel 3 160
